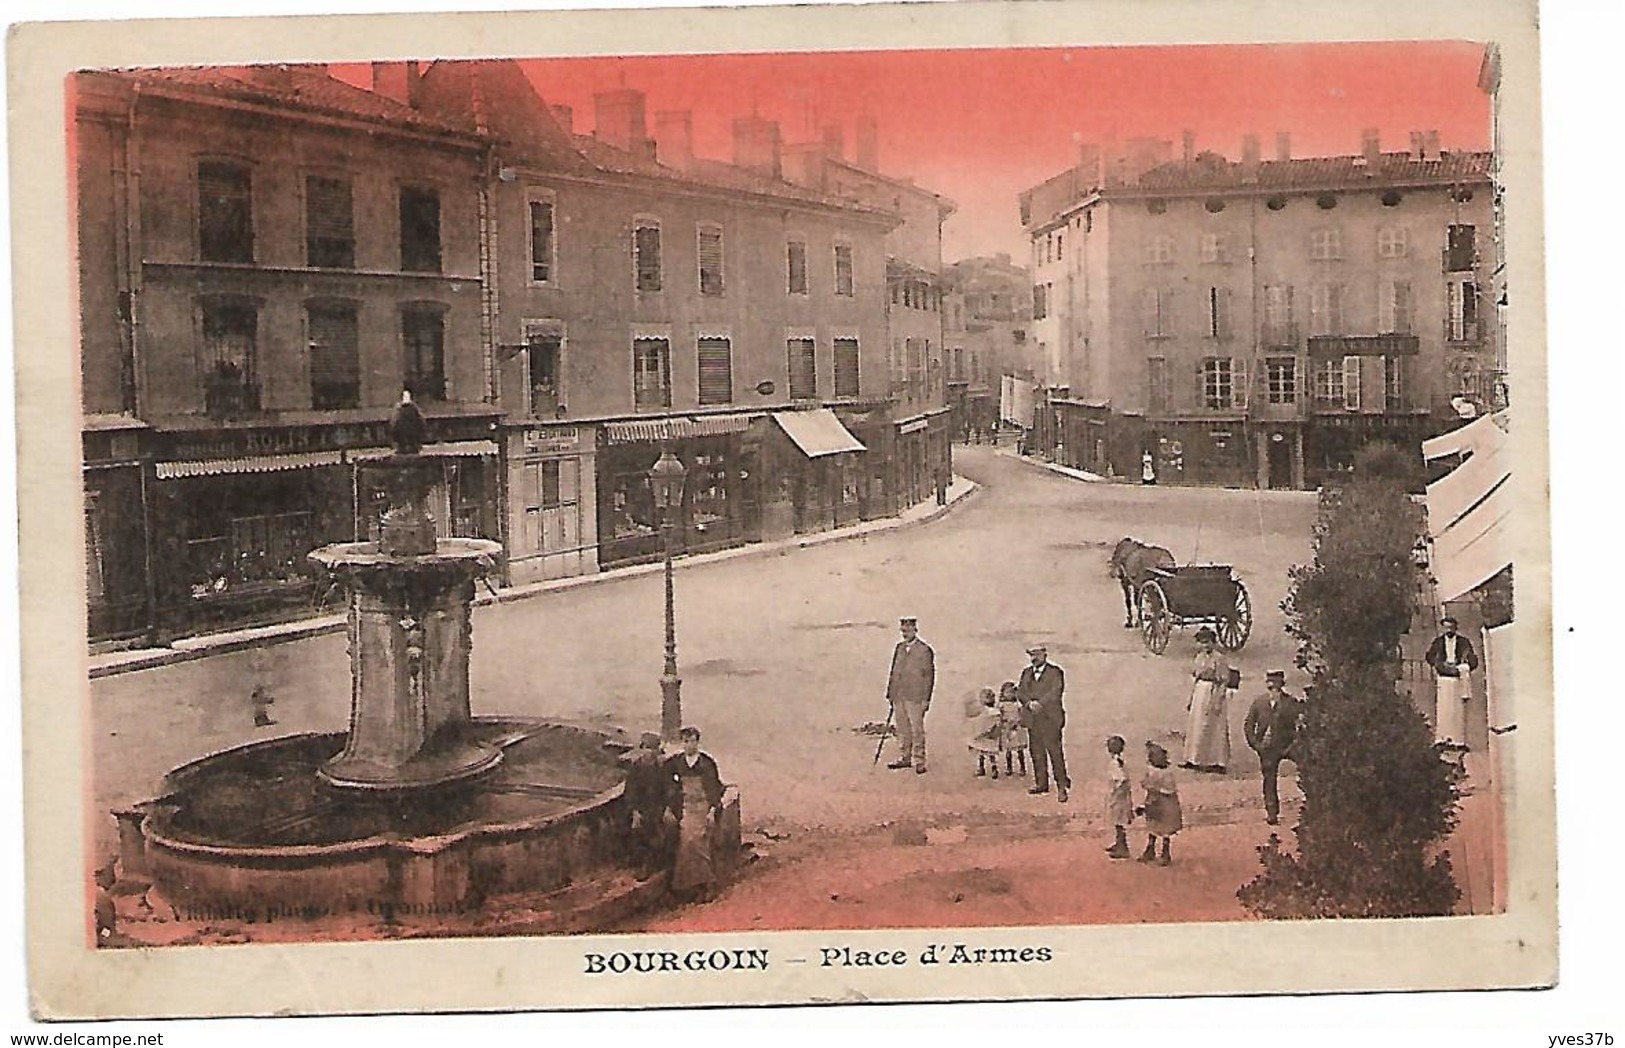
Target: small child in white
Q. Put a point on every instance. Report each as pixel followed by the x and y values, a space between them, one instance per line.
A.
pixel 985 732
pixel 1119 797
pixel 1015 737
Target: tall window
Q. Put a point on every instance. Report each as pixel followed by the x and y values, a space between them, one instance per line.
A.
pixel 1461 311
pixel 1326 244
pixel 1159 250
pixel 225 219
pixel 1394 307
pixel 1215 248
pixel 1040 301
pixel 1282 376
pixel 1393 383
pixel 1391 242
pixel 1156 385
pixel 230 332
pixel 1218 382
pixel 846 367
pixel 543 241
pixel 710 254
pixel 329 223
pixel 646 255
pixel 335 358
pixel 716 371
pixel 423 340
pixel 1329 382
pixel 795 261
pixel 1459 250
pixel 843 270
pixel 1156 312
pixel 1326 309
pixel 1278 327
pixel 803 360
pixel 651 372
pixel 420 229
pixel 1218 312
pixel 546 352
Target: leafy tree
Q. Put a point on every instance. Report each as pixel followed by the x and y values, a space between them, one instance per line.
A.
pixel 1378 796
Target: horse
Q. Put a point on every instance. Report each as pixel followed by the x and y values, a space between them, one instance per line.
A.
pixel 1133 563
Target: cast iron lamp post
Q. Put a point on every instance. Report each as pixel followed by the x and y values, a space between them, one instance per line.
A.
pixel 666 481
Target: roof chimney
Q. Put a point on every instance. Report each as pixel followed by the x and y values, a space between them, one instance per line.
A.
pixel 1416 145
pixel 618 119
pixel 834 142
pixel 756 146
pixel 1283 146
pixel 674 135
pixel 868 143
pixel 565 117
pixel 1249 158
pixel 1189 142
pixel 1430 145
pixel 1370 146
pixel 396 80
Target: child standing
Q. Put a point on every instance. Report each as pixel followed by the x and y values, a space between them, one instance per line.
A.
pixel 1163 816
pixel 1119 798
pixel 1015 738
pixel 985 732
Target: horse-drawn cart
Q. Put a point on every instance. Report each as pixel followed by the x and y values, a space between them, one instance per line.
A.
pixel 1184 595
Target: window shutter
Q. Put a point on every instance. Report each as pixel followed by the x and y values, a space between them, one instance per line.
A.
pixel 646 248
pixel 710 251
pixel 716 371
pixel 1351 383
pixel 1241 388
pixel 846 367
pixel 541 241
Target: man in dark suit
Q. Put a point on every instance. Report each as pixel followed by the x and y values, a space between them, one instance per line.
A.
pixel 1271 728
pixel 1040 689
pixel 908 689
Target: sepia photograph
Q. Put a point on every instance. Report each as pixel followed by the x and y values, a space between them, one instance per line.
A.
pixel 847 508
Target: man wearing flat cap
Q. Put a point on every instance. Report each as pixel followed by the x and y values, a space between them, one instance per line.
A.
pixel 1040 690
pixel 908 689
pixel 1271 729
pixel 648 795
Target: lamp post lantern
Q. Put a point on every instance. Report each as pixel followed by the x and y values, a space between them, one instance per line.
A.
pixel 666 483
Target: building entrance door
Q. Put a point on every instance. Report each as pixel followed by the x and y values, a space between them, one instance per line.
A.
pixel 1280 460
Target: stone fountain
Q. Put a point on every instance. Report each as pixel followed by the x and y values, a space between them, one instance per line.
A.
pixel 420 806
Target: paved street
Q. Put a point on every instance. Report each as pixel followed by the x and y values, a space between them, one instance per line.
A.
pixel 784 655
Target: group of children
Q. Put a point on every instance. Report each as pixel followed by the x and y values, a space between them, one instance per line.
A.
pixel 998 726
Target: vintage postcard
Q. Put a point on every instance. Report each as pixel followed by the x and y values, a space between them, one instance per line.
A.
pixel 782 505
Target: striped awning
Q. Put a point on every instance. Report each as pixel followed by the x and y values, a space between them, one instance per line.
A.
pixel 1476 548
pixel 817 432
pixel 444 449
pixel 247 464
pixel 1482 432
pixel 1452 496
pixel 674 428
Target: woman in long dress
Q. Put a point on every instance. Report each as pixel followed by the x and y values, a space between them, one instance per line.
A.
pixel 697 803
pixel 1207 733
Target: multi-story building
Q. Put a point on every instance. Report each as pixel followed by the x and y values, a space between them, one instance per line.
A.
pixel 266 258
pixel 988 314
pixel 1255 322
pixel 650 299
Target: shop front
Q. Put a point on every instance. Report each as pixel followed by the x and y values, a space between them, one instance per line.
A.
pixel 875 481
pixel 818 468
pixel 1202 451
pixel 713 514
pixel 552 503
pixel 1332 442
pixel 117 604
pixel 1084 437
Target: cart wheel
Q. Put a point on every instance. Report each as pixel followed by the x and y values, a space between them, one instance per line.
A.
pixel 1155 620
pixel 1236 626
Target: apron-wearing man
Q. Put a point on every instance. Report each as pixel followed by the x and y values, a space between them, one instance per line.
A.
pixel 1453 660
pixel 908 689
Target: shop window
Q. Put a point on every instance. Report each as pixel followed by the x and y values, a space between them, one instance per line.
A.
pixel 716 371
pixel 225 212
pixel 420 229
pixel 229 552
pixel 803 364
pixel 707 489
pixel 335 358
pixel 795 261
pixel 843 270
pixel 1282 376
pixel 846 367
pixel 546 351
pixel 632 512
pixel 329 223
pixel 710 255
pixel 543 242
pixel 646 266
pixel 651 373
pixel 423 340
pixel 466 480
pixel 230 331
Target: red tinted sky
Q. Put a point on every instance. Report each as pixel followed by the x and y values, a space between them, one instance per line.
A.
pixel 979 126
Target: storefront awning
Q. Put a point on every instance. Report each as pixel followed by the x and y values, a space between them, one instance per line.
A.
pixel 1476 548
pixel 444 449
pixel 246 464
pixel 817 432
pixel 1452 496
pixel 1481 432
pixel 679 428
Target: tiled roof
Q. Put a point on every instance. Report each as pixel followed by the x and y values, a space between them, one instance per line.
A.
pixel 1214 172
pixel 307 88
